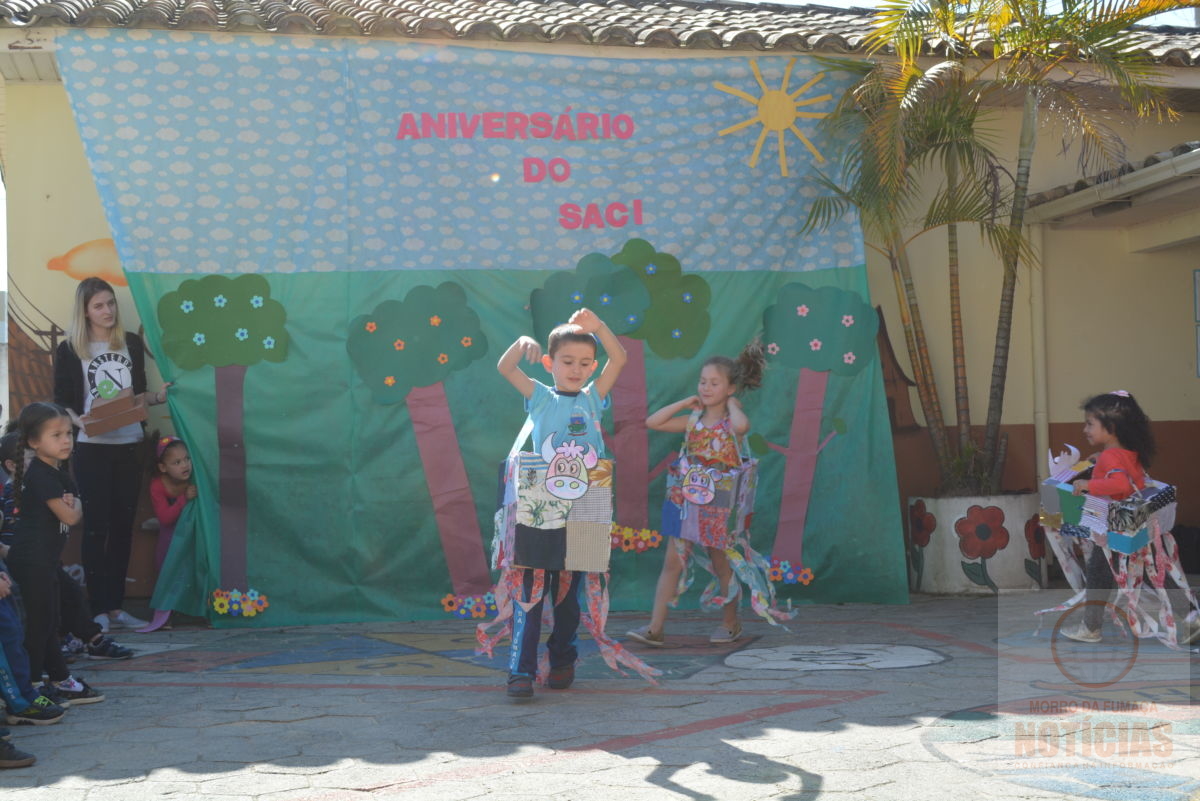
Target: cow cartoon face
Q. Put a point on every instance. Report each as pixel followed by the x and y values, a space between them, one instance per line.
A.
pixel 567 473
pixel 698 486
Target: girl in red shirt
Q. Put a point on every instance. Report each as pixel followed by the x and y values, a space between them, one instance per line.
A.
pixel 170 490
pixel 1117 425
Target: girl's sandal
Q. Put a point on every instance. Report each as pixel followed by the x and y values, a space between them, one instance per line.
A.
pixel 723 635
pixel 647 637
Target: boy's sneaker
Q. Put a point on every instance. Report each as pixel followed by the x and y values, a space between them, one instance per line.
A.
pixel 72 647
pixel 51 692
pixel 561 678
pixel 123 619
pixel 520 686
pixel 13 757
pixel 107 648
pixel 724 635
pixel 647 637
pixel 102 621
pixel 1082 634
pixel 42 712
pixel 78 692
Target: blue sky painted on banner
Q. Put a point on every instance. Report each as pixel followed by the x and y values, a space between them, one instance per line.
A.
pixel 218 153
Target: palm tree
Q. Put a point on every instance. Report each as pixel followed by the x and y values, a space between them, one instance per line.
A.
pixel 901 126
pixel 1056 59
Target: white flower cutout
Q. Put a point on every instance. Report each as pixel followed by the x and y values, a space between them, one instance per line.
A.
pixel 847 320
pixel 772 349
pixel 802 311
pixel 814 344
pixel 848 358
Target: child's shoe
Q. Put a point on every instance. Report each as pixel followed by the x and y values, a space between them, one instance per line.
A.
pixel 77 692
pixel 42 712
pixel 561 678
pixel 101 620
pixel 13 757
pixel 724 635
pixel 48 690
pixel 72 647
pixel 107 648
pixel 1082 634
pixel 123 619
pixel 520 686
pixel 647 637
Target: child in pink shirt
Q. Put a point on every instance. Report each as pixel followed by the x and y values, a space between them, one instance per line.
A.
pixel 170 491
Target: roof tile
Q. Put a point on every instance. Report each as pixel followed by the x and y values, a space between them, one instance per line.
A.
pixel 726 24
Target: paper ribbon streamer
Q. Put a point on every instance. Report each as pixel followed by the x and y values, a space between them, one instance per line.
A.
pixel 594 617
pixel 1132 572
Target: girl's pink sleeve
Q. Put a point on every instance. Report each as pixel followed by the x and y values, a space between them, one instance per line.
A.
pixel 166 508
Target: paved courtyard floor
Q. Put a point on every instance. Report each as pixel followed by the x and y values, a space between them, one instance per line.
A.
pixel 946 698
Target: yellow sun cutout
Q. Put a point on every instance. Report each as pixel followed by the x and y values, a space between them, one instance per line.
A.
pixel 777 111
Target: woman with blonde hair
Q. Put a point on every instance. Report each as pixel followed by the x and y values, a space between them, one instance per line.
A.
pixel 98 359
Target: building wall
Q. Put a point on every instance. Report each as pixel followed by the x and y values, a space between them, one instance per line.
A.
pixel 1114 320
pixel 53 208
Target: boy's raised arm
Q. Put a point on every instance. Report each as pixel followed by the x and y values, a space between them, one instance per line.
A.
pixel 591 323
pixel 509 364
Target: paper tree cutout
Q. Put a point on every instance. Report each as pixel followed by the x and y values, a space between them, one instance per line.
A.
pixel 596 283
pixel 646 299
pixel 819 331
pixel 403 351
pixel 230 324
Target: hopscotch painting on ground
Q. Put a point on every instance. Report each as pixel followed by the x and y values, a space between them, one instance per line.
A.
pixel 332 241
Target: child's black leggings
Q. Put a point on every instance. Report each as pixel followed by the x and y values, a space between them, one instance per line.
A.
pixel 39 593
pixel 1100 583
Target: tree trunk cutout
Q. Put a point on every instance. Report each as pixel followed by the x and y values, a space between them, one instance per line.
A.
pixel 630 441
pixel 804 443
pixel 449 489
pixel 231 483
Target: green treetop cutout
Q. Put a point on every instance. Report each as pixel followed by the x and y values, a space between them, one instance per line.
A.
pixel 222 321
pixel 415 342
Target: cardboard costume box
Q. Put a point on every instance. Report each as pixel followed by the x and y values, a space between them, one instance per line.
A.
pixel 113 413
pixel 1060 506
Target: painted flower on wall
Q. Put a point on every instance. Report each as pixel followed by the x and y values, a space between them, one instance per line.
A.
pixel 920 524
pixel 981 533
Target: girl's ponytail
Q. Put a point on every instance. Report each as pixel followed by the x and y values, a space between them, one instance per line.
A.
pixel 18 474
pixel 750 366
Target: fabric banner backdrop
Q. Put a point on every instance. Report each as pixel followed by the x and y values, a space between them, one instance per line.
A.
pixel 331 242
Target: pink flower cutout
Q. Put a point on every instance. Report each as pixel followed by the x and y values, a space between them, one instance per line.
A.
pixel 772 349
pixel 571 450
pixel 848 358
pixel 802 311
pixel 815 344
pixel 847 320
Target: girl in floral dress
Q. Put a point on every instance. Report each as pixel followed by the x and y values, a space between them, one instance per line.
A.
pixel 711 421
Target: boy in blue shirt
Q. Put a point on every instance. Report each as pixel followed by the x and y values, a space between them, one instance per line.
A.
pixel 566 415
